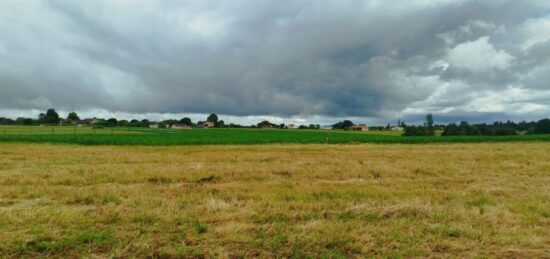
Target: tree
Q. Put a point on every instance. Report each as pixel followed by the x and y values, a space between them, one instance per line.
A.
pixel 25 121
pixel 451 130
pixel 186 121
pixel 220 124
pixel 347 124
pixel 542 127
pixel 6 121
pixel 416 131
pixel 464 129
pixel 112 122
pixel 51 117
pixel 343 125
pixel 212 118
pixel 73 117
pixel 265 124
pixel 430 124
pixel 41 117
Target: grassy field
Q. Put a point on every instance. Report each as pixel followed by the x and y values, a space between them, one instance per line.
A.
pixel 41 130
pixel 327 201
pixel 155 137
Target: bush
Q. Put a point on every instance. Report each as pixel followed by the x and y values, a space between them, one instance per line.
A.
pixel 417 131
pixel 464 129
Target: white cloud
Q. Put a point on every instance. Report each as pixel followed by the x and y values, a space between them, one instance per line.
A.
pixel 479 55
pixel 535 31
pixel 512 100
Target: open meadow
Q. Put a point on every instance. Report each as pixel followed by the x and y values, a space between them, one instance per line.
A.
pixel 326 201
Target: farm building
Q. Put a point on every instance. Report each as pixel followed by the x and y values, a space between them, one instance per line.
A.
pixel 360 127
pixel 397 128
pixel 63 122
pixel 86 122
pixel 205 124
pixel 180 126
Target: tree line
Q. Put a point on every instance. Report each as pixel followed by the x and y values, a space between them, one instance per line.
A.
pixel 483 129
pixel 52 118
pixel 429 128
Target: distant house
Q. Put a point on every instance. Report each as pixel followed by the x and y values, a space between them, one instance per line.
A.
pixel 63 122
pixel 291 126
pixel 326 127
pixel 205 124
pixel 360 127
pixel 154 125
pixel 397 128
pixel 180 126
pixel 87 122
pixel 265 125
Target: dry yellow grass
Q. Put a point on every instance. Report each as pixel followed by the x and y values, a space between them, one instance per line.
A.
pixel 462 200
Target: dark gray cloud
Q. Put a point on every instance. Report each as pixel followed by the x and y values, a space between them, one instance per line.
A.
pixel 373 59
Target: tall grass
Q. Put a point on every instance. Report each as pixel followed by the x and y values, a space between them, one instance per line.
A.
pixel 275 201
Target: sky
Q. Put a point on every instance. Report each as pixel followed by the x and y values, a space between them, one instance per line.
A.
pixel 296 61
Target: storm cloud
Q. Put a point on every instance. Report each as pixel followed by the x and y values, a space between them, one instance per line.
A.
pixel 362 59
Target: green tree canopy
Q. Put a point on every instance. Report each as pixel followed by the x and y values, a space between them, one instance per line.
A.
pixel 212 118
pixel 542 127
pixel 265 124
pixel 451 130
pixel 343 125
pixel 51 117
pixel 430 124
pixel 73 117
pixel 186 121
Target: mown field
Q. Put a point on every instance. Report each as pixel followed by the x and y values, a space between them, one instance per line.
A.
pixel 156 137
pixel 319 201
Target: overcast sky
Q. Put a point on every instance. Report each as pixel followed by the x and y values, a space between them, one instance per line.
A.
pixel 287 60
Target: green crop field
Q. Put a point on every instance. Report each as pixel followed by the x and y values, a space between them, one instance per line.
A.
pixel 71 130
pixel 144 136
